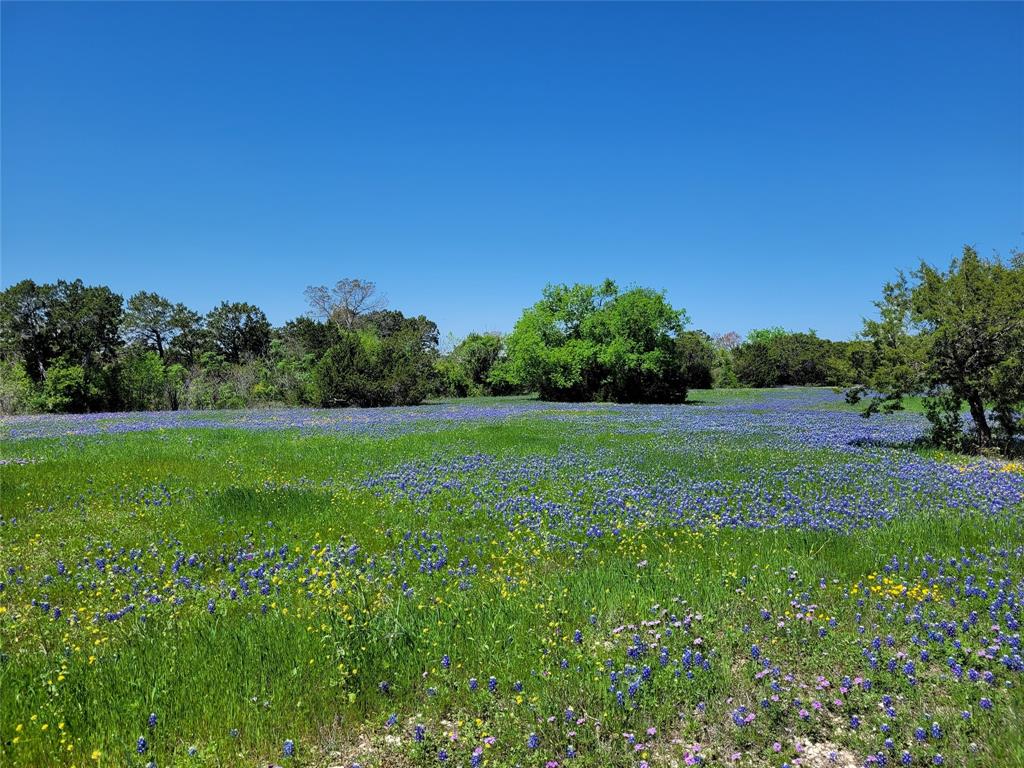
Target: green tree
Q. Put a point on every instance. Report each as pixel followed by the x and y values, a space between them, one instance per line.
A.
pixel 26 334
pixel 697 352
pixel 143 381
pixel 17 390
pixel 387 364
pixel 773 357
pixel 65 389
pixel 149 320
pixel 586 342
pixel 190 338
pixel 239 331
pixel 955 337
pixel 466 370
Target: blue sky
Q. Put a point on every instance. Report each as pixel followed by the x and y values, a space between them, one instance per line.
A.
pixel 767 164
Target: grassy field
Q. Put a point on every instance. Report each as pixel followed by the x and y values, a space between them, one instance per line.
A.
pixel 756 579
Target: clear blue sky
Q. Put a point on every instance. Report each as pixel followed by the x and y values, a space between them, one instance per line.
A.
pixel 764 164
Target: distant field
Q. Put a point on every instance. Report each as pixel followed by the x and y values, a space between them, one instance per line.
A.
pixel 760 578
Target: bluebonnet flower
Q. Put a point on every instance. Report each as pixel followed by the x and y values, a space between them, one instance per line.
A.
pixel 141 746
pixel 289 748
pixel 532 742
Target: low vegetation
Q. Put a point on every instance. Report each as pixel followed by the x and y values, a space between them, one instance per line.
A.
pixel 757 579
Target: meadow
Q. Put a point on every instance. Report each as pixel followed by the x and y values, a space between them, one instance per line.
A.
pixel 759 578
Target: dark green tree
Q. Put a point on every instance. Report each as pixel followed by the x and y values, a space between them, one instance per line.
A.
pixel 238 331
pixel 956 337
pixel 153 321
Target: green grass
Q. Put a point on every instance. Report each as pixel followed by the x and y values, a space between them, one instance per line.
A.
pixel 235 682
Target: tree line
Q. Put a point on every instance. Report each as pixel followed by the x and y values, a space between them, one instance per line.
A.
pixel 954 337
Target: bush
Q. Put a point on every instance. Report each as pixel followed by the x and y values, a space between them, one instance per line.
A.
pixel 142 381
pixel 64 388
pixel 17 393
pixel 364 369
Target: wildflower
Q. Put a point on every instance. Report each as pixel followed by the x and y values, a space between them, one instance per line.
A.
pixel 141 746
pixel 289 748
pixel 532 742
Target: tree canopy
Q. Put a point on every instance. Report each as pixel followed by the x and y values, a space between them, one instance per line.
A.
pixel 956 337
pixel 595 342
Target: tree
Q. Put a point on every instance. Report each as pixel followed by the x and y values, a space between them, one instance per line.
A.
pixel 955 337
pixel 697 352
pixel 65 388
pixel 239 331
pixel 388 322
pixel 16 388
pixel 85 323
pixel 345 301
pixel 587 342
pixel 477 354
pixel 773 357
pixel 191 337
pixel 641 355
pixel 728 341
pixel 142 380
pixel 25 331
pixel 151 320
pixel 367 370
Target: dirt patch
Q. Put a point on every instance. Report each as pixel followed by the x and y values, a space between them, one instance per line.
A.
pixel 828 755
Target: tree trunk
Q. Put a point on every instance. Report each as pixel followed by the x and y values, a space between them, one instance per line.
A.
pixel 978 414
